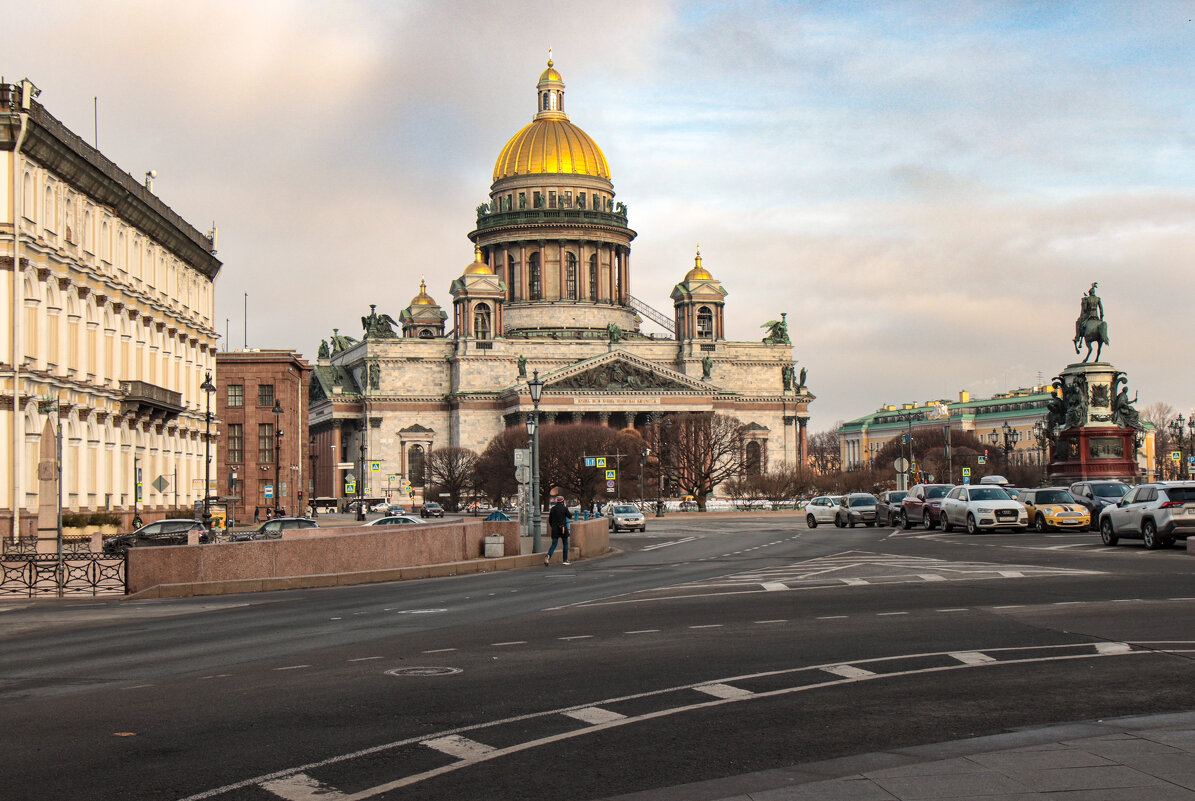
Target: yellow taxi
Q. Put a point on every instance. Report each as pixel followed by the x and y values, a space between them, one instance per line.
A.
pixel 1054 508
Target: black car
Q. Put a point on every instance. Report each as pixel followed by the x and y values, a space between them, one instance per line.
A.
pixel 161 532
pixel 431 509
pixel 1095 496
pixel 888 508
pixel 272 529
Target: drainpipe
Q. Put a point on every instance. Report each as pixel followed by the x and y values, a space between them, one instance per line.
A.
pixel 28 92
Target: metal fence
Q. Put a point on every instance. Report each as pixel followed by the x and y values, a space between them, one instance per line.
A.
pixel 44 575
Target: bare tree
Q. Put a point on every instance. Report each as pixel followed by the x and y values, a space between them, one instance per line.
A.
pixel 562 453
pixel 824 453
pixel 452 470
pixel 702 451
pixel 495 468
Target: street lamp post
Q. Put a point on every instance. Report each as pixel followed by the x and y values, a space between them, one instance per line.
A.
pixel 1039 434
pixel 1011 438
pixel 208 390
pixel 536 387
pixel 361 481
pixel 314 457
pixel 1177 427
pixel 277 451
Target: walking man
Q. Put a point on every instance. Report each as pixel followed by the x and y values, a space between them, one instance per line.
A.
pixel 558 519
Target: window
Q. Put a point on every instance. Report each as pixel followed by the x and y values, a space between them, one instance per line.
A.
pixel 265 443
pixel 593 277
pixel 236 443
pixel 551 199
pixel 570 275
pixel 512 278
pixel 481 321
pixel 236 395
pixel 566 200
pixel 754 459
pixel 533 277
pixel 538 200
pixel 265 394
pixel 705 323
pixel 415 471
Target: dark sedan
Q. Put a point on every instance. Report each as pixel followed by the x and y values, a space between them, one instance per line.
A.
pixel 161 532
pixel 431 509
pixel 272 529
pixel 888 508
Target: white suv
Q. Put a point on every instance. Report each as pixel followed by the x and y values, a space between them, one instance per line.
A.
pixel 821 509
pixel 1156 513
pixel 980 507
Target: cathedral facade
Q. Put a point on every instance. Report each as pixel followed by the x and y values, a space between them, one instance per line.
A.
pixel 548 292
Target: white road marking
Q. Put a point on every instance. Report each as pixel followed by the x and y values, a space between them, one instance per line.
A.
pixel 707 626
pixel 931 577
pixel 973 658
pixel 460 747
pixel 293 667
pixel 890 614
pixel 367 658
pixel 642 631
pixel 719 690
pixel 440 651
pixel 832 617
pixel 855 582
pixel 659 545
pixel 301 787
pixel 848 671
pixel 1011 573
pixel 1113 647
pixel 594 715
pixel 136 687
pixel 577 637
pixel 1009 606
pixel 503 644
pixel 780 620
pixel 774 586
pixel 960 609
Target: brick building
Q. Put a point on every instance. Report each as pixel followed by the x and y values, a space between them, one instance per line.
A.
pixel 262 408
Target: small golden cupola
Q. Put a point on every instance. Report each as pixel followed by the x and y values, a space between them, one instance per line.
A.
pixel 699 302
pixel 422 318
pixel 478 265
pixel 478 300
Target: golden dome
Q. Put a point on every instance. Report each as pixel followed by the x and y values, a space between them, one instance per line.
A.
pixel 422 299
pixel 698 273
pixel 551 144
pixel 478 267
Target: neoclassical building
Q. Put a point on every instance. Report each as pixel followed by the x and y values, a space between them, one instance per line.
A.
pixel 549 290
pixel 106 303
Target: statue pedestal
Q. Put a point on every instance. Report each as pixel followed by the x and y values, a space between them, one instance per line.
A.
pixel 1092 446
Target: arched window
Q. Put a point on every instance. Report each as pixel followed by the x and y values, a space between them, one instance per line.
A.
pixel 705 323
pixel 570 275
pixel 754 460
pixel 546 94
pixel 533 278
pixel 512 274
pixel 48 218
pixel 415 472
pixel 27 203
pixel 481 321
pixel 426 333
pixel 593 277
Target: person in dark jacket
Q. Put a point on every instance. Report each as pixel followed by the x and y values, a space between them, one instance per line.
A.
pixel 558 519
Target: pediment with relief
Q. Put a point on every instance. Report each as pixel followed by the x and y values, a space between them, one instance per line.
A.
pixel 620 374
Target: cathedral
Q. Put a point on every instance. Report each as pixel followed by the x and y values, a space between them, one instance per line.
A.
pixel 547 293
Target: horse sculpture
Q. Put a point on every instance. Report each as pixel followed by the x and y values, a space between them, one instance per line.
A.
pixel 1090 327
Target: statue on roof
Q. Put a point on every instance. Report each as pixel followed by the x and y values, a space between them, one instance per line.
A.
pixel 340 342
pixel 613 333
pixel 707 367
pixel 788 376
pixel 522 366
pixel 378 326
pixel 777 331
pixel 801 380
pixel 323 349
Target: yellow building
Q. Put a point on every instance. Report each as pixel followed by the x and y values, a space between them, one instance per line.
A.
pixel 106 300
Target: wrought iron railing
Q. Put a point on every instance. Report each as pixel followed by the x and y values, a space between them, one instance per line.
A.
pixel 45 575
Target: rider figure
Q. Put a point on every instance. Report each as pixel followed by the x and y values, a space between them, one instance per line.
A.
pixel 1091 308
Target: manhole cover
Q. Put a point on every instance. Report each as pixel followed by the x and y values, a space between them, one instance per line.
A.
pixel 423 671
pixel 420 611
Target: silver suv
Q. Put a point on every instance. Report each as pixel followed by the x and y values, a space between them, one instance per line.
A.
pixel 858 507
pixel 625 517
pixel 1156 513
pixel 821 510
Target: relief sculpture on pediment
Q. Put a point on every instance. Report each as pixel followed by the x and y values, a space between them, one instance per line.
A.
pixel 618 377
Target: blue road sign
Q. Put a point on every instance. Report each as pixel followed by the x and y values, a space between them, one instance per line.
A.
pixel 589 461
pixel 269 489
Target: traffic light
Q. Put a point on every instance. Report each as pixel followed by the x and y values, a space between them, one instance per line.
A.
pixel 300 495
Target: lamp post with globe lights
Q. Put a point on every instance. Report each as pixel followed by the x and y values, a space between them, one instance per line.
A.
pixel 536 388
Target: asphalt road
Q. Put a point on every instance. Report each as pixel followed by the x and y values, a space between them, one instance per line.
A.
pixel 709 647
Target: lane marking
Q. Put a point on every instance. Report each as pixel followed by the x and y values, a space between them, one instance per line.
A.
pixel 302 787
pixel 959 609
pixel 460 747
pixel 642 631
pixel 504 644
pixel 293 667
pixel 707 626
pixel 832 617
pixel 577 637
pixel 1011 573
pixel 848 671
pixel 659 545
pixel 890 614
pixel 719 690
pixel 973 658
pixel 367 658
pixel 931 577
pixel 1010 606
pixel 780 620
pixel 1113 647
pixel 774 586
pixel 440 651
pixel 136 687
pixel 594 715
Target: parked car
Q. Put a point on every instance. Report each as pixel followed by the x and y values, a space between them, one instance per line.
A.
pixel 394 520
pixel 821 509
pixel 380 506
pixel 160 532
pixel 688 506
pixel 1053 507
pixel 394 509
pixel 981 506
pixel 272 529
pixel 1095 496
pixel 922 504
pixel 429 509
pixel 888 507
pixel 625 517
pixel 856 507
pixel 1156 513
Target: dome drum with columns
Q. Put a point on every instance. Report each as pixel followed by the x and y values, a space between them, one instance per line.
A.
pixel 549 289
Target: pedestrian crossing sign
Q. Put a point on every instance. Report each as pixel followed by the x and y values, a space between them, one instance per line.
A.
pixel 966 471
pixel 600 461
pixel 610 475
pixel 350 487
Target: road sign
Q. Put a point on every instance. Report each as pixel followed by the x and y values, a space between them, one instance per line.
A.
pixel 966 472
pixel 611 475
pixel 523 456
pixel 966 479
pixel 1176 456
pixel 901 464
pixel 161 483
pixel 590 461
pixel 983 460
pixel 269 490
pixel 600 462
pixel 609 489
pixel 350 487
pixel 375 467
pixel 609 485
pixel 523 474
pixel 344 465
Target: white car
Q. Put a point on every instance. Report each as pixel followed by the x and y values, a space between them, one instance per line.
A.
pixel 821 509
pixel 624 517
pixel 982 507
pixel 395 520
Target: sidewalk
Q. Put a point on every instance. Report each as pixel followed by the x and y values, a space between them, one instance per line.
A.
pixel 1150 758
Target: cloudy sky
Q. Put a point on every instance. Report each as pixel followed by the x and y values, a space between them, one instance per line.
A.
pixel 926 188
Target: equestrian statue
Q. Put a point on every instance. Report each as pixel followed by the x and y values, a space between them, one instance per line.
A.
pixel 1090 327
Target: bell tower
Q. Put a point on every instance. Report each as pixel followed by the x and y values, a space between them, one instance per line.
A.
pixel 699 300
pixel 477 302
